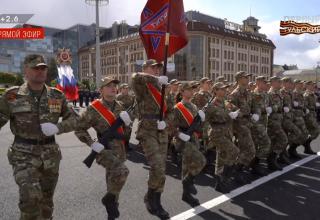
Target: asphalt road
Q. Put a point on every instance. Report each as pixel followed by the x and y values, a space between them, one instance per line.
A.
pixel 290 195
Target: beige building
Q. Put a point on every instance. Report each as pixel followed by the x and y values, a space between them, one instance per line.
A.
pixel 212 51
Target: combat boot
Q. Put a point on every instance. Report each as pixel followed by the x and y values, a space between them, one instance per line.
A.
pixel 222 184
pixel 283 158
pixel 257 168
pixel 161 213
pixel 109 201
pixel 150 201
pixel 272 162
pixel 240 176
pixel 188 198
pixel 293 151
pixel 188 185
pixel 307 147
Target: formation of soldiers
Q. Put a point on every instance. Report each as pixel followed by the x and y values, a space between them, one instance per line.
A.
pixel 245 130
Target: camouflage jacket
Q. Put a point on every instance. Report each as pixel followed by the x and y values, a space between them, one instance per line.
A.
pixel 297 96
pixel 217 115
pixel 260 102
pixel 127 100
pixel 276 103
pixel 26 112
pixel 201 98
pixel 287 102
pixel 241 98
pixel 147 106
pixel 310 100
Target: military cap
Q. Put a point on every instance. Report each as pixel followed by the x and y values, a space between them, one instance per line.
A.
pixel 286 79
pixel 188 85
pixel 242 74
pixel 204 79
pixel 219 85
pixel 309 83
pixel 261 78
pixel 251 83
pixel 34 60
pixel 220 79
pixel 297 81
pixel 107 80
pixel 196 83
pixel 151 62
pixel 174 82
pixel 124 85
pixel 275 78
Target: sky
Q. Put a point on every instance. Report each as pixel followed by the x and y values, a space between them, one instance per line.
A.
pixel 303 50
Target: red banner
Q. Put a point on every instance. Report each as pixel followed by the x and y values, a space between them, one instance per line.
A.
pixel 153 28
pixel 22 33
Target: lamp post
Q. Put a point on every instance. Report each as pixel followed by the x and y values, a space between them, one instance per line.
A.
pixel 97 3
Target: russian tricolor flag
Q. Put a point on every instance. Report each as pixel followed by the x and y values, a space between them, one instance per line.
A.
pixel 67 82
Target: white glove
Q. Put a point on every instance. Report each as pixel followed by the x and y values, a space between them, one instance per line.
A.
pixel 255 117
pixel 286 109
pixel 161 125
pixel 97 147
pixel 125 117
pixel 307 111
pixel 268 110
pixel 202 115
pixel 295 104
pixel 184 137
pixel 234 115
pixel 317 104
pixel 49 129
pixel 163 80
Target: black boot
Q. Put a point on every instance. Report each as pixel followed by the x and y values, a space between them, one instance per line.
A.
pixel 307 147
pixel 257 168
pixel 188 185
pixel 272 162
pixel 161 213
pixel 188 198
pixel 240 176
pixel 109 201
pixel 283 158
pixel 293 152
pixel 150 201
pixel 222 184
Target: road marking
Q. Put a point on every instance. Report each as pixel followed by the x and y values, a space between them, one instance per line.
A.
pixel 223 198
pixel 309 168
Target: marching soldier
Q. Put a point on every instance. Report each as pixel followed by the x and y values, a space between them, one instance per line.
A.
pixel 100 115
pixel 293 132
pixel 192 159
pixel 241 98
pixel 310 118
pixel 35 158
pixel 219 115
pixel 276 133
pixel 299 111
pixel 260 111
pixel 152 133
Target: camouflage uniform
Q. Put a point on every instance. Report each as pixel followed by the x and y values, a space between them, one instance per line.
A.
pixel 193 160
pixel 259 129
pixel 292 131
pixel 111 159
pixel 221 135
pixel 298 115
pixel 153 141
pixel 311 118
pixel 276 133
pixel 34 157
pixel 241 98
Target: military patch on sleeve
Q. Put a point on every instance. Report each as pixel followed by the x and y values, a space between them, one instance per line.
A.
pixel 55 105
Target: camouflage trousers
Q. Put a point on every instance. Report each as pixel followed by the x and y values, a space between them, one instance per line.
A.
pixel 277 135
pixel 244 141
pixel 155 147
pixel 36 171
pixel 301 125
pixel 261 140
pixel 292 131
pixel 193 160
pixel 227 153
pixel 312 125
pixel 116 171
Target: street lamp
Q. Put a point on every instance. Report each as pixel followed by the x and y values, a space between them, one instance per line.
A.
pixel 97 3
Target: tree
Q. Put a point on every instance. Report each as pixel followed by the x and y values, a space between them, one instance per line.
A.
pixel 52 70
pixel 86 83
pixel 7 78
pixel 19 79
